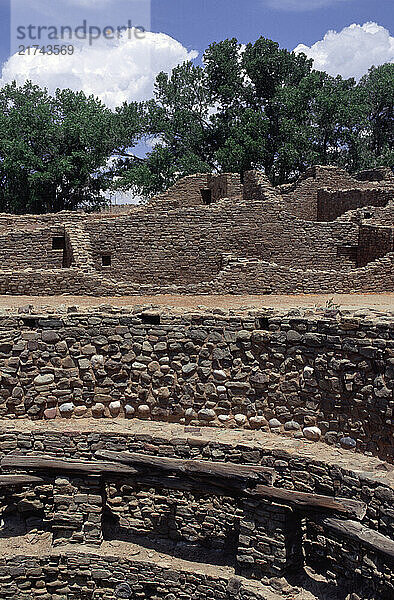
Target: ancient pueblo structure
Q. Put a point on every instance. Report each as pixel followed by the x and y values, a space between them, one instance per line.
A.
pixel 151 453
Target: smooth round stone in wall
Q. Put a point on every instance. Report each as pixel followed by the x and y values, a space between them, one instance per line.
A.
pixel 240 419
pixel 308 372
pixel 224 419
pixel 164 393
pixel 153 366
pixel 348 443
pixel 331 437
pixel 123 590
pixel 143 410
pixel 207 414
pixel 219 375
pixel 44 379
pixel 97 361
pixel 189 369
pixel 190 413
pixel 129 410
pixel 257 422
pixel 80 411
pixel 98 409
pixel 50 413
pixel 292 426
pixel 114 408
pixel 274 423
pixel 67 409
pixel 312 433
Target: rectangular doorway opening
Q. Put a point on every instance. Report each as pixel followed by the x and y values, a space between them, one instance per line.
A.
pixel 206 195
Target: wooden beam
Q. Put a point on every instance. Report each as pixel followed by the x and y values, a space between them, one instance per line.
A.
pixel 43 463
pixel 201 468
pixel 10 480
pixel 359 533
pixel 311 501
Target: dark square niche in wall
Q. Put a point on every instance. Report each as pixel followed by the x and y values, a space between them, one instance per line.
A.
pixel 58 242
pixel 206 195
pixel 106 260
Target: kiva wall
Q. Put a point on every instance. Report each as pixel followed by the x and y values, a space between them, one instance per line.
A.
pixel 355 566
pixel 268 372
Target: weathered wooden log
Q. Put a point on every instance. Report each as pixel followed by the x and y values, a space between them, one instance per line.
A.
pixel 43 463
pixel 11 480
pixel 362 534
pixel 178 466
pixel 310 501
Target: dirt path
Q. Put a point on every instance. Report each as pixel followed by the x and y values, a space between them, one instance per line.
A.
pixel 382 302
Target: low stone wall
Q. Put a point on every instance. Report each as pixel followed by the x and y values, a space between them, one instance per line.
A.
pixel 250 535
pixel 259 370
pixel 355 565
pixel 248 276
pixel 79 575
pixel 367 480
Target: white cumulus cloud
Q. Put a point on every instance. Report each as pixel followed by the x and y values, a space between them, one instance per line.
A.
pixel 302 5
pixel 114 70
pixel 352 51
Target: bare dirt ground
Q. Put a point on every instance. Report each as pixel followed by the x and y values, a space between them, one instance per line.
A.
pixel 381 302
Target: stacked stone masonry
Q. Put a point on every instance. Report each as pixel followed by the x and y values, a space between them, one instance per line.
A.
pixel 259 370
pixel 358 567
pixel 298 237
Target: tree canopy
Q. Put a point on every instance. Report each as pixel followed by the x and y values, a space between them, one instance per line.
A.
pixel 254 106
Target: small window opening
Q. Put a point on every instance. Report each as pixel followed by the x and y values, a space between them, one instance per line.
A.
pixel 150 319
pixel 263 323
pixel 106 260
pixel 30 322
pixel 58 243
pixel 206 195
pixel 368 215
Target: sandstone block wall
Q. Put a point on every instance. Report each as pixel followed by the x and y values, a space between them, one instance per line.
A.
pixel 374 242
pixel 249 535
pixel 333 203
pixel 31 248
pixel 179 242
pixel 360 567
pixel 248 276
pixel 185 246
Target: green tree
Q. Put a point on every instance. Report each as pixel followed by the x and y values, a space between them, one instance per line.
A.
pixel 261 106
pixel 54 151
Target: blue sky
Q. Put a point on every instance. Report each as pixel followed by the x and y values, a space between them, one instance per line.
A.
pixel 127 70
pixel 196 23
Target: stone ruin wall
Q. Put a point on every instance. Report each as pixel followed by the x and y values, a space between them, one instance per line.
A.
pixel 357 566
pixel 331 204
pixel 178 244
pixel 263 371
pixel 302 198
